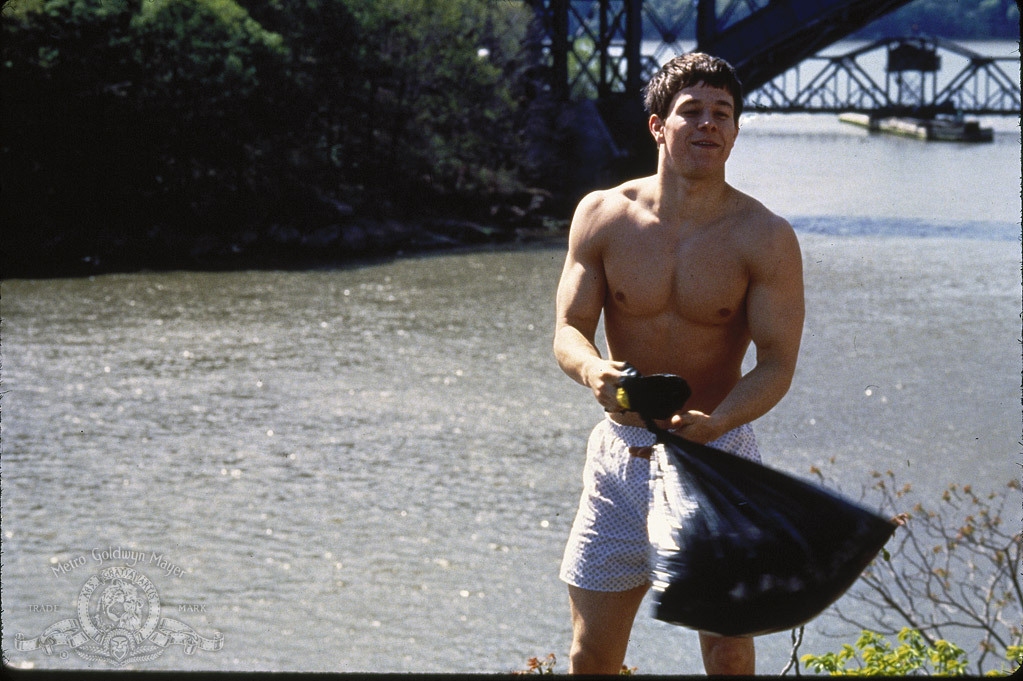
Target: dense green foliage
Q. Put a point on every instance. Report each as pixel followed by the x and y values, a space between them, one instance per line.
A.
pixel 873 655
pixel 913 655
pixel 145 128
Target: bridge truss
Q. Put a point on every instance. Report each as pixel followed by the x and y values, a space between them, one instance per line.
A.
pixel 595 46
pixel 597 51
pixel 895 74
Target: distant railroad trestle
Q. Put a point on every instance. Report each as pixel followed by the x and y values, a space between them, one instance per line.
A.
pixel 904 76
pixel 595 52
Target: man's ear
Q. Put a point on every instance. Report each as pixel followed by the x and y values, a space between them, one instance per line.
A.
pixel 656 126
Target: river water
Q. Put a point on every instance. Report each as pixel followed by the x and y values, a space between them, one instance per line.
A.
pixel 374 467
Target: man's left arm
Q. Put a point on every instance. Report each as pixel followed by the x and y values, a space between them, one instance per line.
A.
pixel 775 311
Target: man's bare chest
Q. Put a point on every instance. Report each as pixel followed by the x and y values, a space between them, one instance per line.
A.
pixel 697 280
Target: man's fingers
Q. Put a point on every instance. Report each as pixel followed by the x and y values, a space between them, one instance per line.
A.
pixel 605 385
pixel 687 418
pixel 607 395
pixel 681 420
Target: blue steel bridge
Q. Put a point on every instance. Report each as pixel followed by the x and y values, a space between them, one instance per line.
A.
pixel 597 51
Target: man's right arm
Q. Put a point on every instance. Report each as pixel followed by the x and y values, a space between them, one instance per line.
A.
pixel 580 300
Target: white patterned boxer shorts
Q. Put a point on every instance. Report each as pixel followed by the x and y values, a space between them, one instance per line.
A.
pixel 608 548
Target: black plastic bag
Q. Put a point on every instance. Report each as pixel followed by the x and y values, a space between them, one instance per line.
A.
pixel 742 549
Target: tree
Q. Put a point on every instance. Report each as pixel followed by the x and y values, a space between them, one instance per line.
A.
pixel 129 120
pixel 146 128
pixel 447 85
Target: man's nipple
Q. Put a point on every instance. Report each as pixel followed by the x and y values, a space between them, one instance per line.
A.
pixel 620 297
pixel 724 312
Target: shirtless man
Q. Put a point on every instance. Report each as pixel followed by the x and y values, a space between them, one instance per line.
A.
pixel 687 271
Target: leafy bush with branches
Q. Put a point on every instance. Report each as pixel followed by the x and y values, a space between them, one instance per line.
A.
pixel 874 656
pixel 953 573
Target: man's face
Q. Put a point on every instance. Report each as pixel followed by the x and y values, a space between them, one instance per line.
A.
pixel 699 130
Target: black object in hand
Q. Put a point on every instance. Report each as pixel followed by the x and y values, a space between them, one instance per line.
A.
pixel 657 396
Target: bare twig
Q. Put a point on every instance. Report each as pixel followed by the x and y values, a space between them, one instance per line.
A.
pixel 797 640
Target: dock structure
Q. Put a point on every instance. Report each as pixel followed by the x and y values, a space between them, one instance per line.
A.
pixel 937 129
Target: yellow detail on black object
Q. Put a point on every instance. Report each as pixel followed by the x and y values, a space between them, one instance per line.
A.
pixel 623 398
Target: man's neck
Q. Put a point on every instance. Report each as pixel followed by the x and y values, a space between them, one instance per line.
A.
pixel 677 197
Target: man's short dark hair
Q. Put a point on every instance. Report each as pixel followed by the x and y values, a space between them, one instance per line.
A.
pixel 686 70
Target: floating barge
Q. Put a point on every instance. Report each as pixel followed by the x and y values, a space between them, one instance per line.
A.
pixel 937 129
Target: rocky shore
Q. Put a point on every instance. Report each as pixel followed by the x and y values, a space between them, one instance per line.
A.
pixel 350 238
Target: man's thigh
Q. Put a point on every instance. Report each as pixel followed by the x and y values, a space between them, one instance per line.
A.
pixel 601 623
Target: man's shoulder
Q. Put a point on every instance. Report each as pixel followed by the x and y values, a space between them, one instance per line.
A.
pixel 756 219
pixel 614 200
pixel 604 208
pixel 765 236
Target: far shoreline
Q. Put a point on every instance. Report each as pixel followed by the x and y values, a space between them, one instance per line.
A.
pixel 408 240
pixel 360 243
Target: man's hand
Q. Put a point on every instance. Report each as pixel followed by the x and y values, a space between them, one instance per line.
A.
pixel 696 426
pixel 603 376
